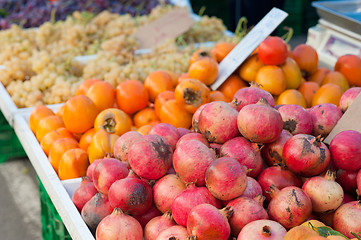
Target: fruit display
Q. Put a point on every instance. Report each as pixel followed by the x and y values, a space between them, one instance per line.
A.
pixel 164 160
pixel 41 64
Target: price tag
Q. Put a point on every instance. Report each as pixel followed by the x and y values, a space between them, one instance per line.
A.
pixel 170 25
pixel 349 120
pixel 249 43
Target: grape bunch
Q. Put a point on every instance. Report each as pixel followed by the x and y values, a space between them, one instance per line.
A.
pixel 35 12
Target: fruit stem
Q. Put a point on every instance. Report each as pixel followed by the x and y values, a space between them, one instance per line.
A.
pixel 288 35
pixel 330 175
pixel 266 231
pixel 260 199
pixel 109 125
pixel 227 211
pixel 273 191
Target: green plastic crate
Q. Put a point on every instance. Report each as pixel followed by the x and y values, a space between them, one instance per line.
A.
pixel 10 146
pixel 53 227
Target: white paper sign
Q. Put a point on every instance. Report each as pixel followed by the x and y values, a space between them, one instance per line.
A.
pixel 249 43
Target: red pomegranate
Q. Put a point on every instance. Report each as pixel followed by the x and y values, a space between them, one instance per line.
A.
pixel 245 153
pixel 218 122
pixel 347 219
pixel 262 230
pixel 259 122
pixel 193 136
pixel 306 155
pixel 345 150
pixel 253 188
pixel 150 157
pixel 84 193
pixel 168 131
pixel 348 97
pixel 205 221
pixel 296 119
pixel 226 179
pixel 289 206
pixel 123 143
pixel 158 224
pixel 324 118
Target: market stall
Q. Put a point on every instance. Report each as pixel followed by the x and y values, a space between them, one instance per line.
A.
pixel 169 113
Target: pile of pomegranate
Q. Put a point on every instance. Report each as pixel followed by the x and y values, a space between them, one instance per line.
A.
pixel 247 170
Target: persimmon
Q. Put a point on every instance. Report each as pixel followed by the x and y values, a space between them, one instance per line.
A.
pixel 102 94
pixel 85 85
pixel 271 79
pixel 292 73
pixel 336 78
pixel 86 138
pixel 273 51
pixel 101 144
pixel 249 68
pixel 79 114
pixel 73 164
pixel 113 120
pixel 182 77
pixel 175 115
pixel 131 96
pixel 58 148
pixel 204 70
pixel 174 76
pixel 37 114
pixel 198 54
pixel 144 130
pixel 306 58
pixel 161 99
pixel 191 93
pixel 232 84
pixel 217 96
pixel 328 93
pixel 48 124
pixel 52 136
pixel 60 111
pixel 145 116
pixel 350 66
pixel 221 50
pixel 300 233
pixel 291 96
pixel 308 89
pixel 318 75
pixel 157 82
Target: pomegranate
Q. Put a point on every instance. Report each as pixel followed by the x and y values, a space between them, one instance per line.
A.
pixel 289 206
pixel 193 136
pixel 345 150
pixel 190 198
pixel 347 180
pixel 226 178
pixel 246 210
pixel 191 160
pixel 306 155
pixel 84 193
pixel 251 95
pixel 261 230
pixel 245 153
pixel 131 195
pixel 108 171
pixel 216 148
pixel 157 225
pixel 167 131
pixel 279 177
pixel 272 152
pixel 165 190
pixel 324 118
pixel 296 119
pixel 91 167
pixel 218 122
pixel 173 233
pixel 347 219
pixel 97 208
pixel 150 156
pixel 148 215
pixel 195 118
pixel 253 188
pixel 205 221
pixel 123 143
pixel 325 193
pixel 348 97
pixel 119 225
pixel 259 122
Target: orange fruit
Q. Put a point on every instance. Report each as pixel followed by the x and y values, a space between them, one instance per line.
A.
pixel 336 78
pixel 350 66
pixel 221 50
pixel 37 114
pixel 58 148
pixel 175 115
pixel 291 96
pixel 318 76
pixel 161 99
pixel 292 74
pixel 308 89
pixel 157 82
pixel 73 164
pixel 52 136
pixel 249 68
pixel 271 79
pixel 217 96
pixel 204 70
pixel 102 94
pixel 86 138
pixel 85 85
pixel 306 58
pixel 328 93
pixel 48 124
pixel 232 84
pixel 144 117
